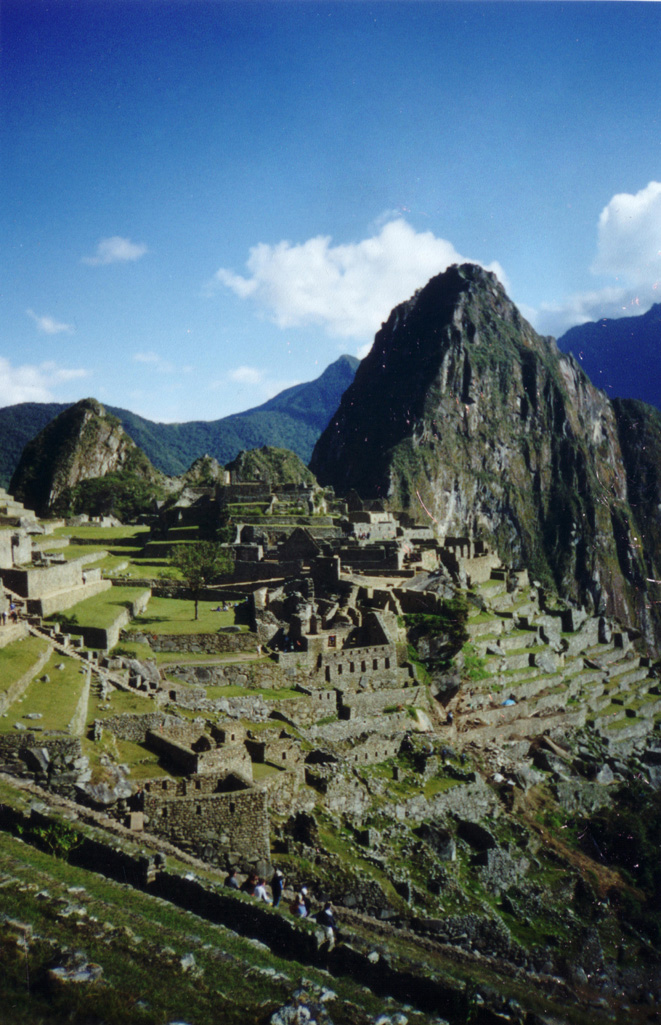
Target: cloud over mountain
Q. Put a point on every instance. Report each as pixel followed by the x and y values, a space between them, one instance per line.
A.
pixel 29 383
pixel 629 251
pixel 346 289
pixel 49 325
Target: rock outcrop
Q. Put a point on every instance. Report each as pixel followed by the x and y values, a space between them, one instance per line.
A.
pixel 463 414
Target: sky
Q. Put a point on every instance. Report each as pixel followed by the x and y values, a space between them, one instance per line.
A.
pixel 203 202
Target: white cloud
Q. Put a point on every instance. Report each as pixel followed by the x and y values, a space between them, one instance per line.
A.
pixel 48 325
pixel 629 251
pixel 29 383
pixel 629 239
pixel 159 364
pixel 347 289
pixel 246 375
pixel 115 250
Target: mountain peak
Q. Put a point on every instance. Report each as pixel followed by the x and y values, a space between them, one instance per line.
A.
pixel 465 416
pixel 82 442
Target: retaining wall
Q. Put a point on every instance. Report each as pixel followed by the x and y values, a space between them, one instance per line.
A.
pixel 217 643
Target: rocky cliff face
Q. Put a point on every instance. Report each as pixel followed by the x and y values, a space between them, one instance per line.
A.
pixel 464 415
pixel 83 442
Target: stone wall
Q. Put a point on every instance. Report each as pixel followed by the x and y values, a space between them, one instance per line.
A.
pixel 225 758
pixel 50 604
pixel 6 559
pixel 262 673
pixel 374 749
pixel 44 580
pixel 208 643
pixel 105 639
pixel 370 703
pixel 378 658
pixel 234 823
pixel 136 727
pixel 10 632
pixel 13 747
pixel 285 793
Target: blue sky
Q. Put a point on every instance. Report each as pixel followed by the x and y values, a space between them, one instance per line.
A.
pixel 205 202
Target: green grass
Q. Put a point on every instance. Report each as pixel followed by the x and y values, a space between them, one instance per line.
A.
pixel 122 702
pixel 439 786
pixel 176 616
pixel 102 533
pixel 283 694
pixel 73 552
pixel 55 700
pixel 18 657
pixel 101 610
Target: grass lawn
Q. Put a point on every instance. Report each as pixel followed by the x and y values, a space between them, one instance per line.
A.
pixel 101 610
pixel 121 702
pixel 176 616
pixel 238 692
pixel 72 552
pixel 18 657
pixel 104 534
pixel 55 700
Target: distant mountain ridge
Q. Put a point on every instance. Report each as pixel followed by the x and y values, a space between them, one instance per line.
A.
pixel 293 419
pixel 621 356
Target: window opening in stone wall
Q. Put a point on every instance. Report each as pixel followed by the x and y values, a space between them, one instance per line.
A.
pixel 386 663
pixel 198 809
pixel 332 641
pixel 363 666
pixel 375 663
pixel 232 807
pixel 284 756
pixel 351 667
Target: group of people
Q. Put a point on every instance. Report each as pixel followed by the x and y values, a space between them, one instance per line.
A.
pixel 255 886
pixel 301 907
pixel 12 615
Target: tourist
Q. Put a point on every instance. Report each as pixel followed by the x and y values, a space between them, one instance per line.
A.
pixel 298 907
pixel 232 882
pixel 248 885
pixel 260 891
pixel 326 920
pixel 306 900
pixel 277 886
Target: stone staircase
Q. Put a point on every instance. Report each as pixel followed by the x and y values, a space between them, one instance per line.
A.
pixel 12 512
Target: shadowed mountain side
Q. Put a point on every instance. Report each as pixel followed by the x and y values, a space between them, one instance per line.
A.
pixel 621 356
pixel 292 419
pixel 461 412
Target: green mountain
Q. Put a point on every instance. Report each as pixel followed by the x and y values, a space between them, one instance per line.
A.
pixel 464 415
pixel 293 419
pixel 82 445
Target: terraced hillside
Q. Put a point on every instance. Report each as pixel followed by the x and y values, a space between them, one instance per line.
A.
pixel 463 821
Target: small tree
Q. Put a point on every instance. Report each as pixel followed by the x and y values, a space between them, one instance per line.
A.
pixel 199 563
